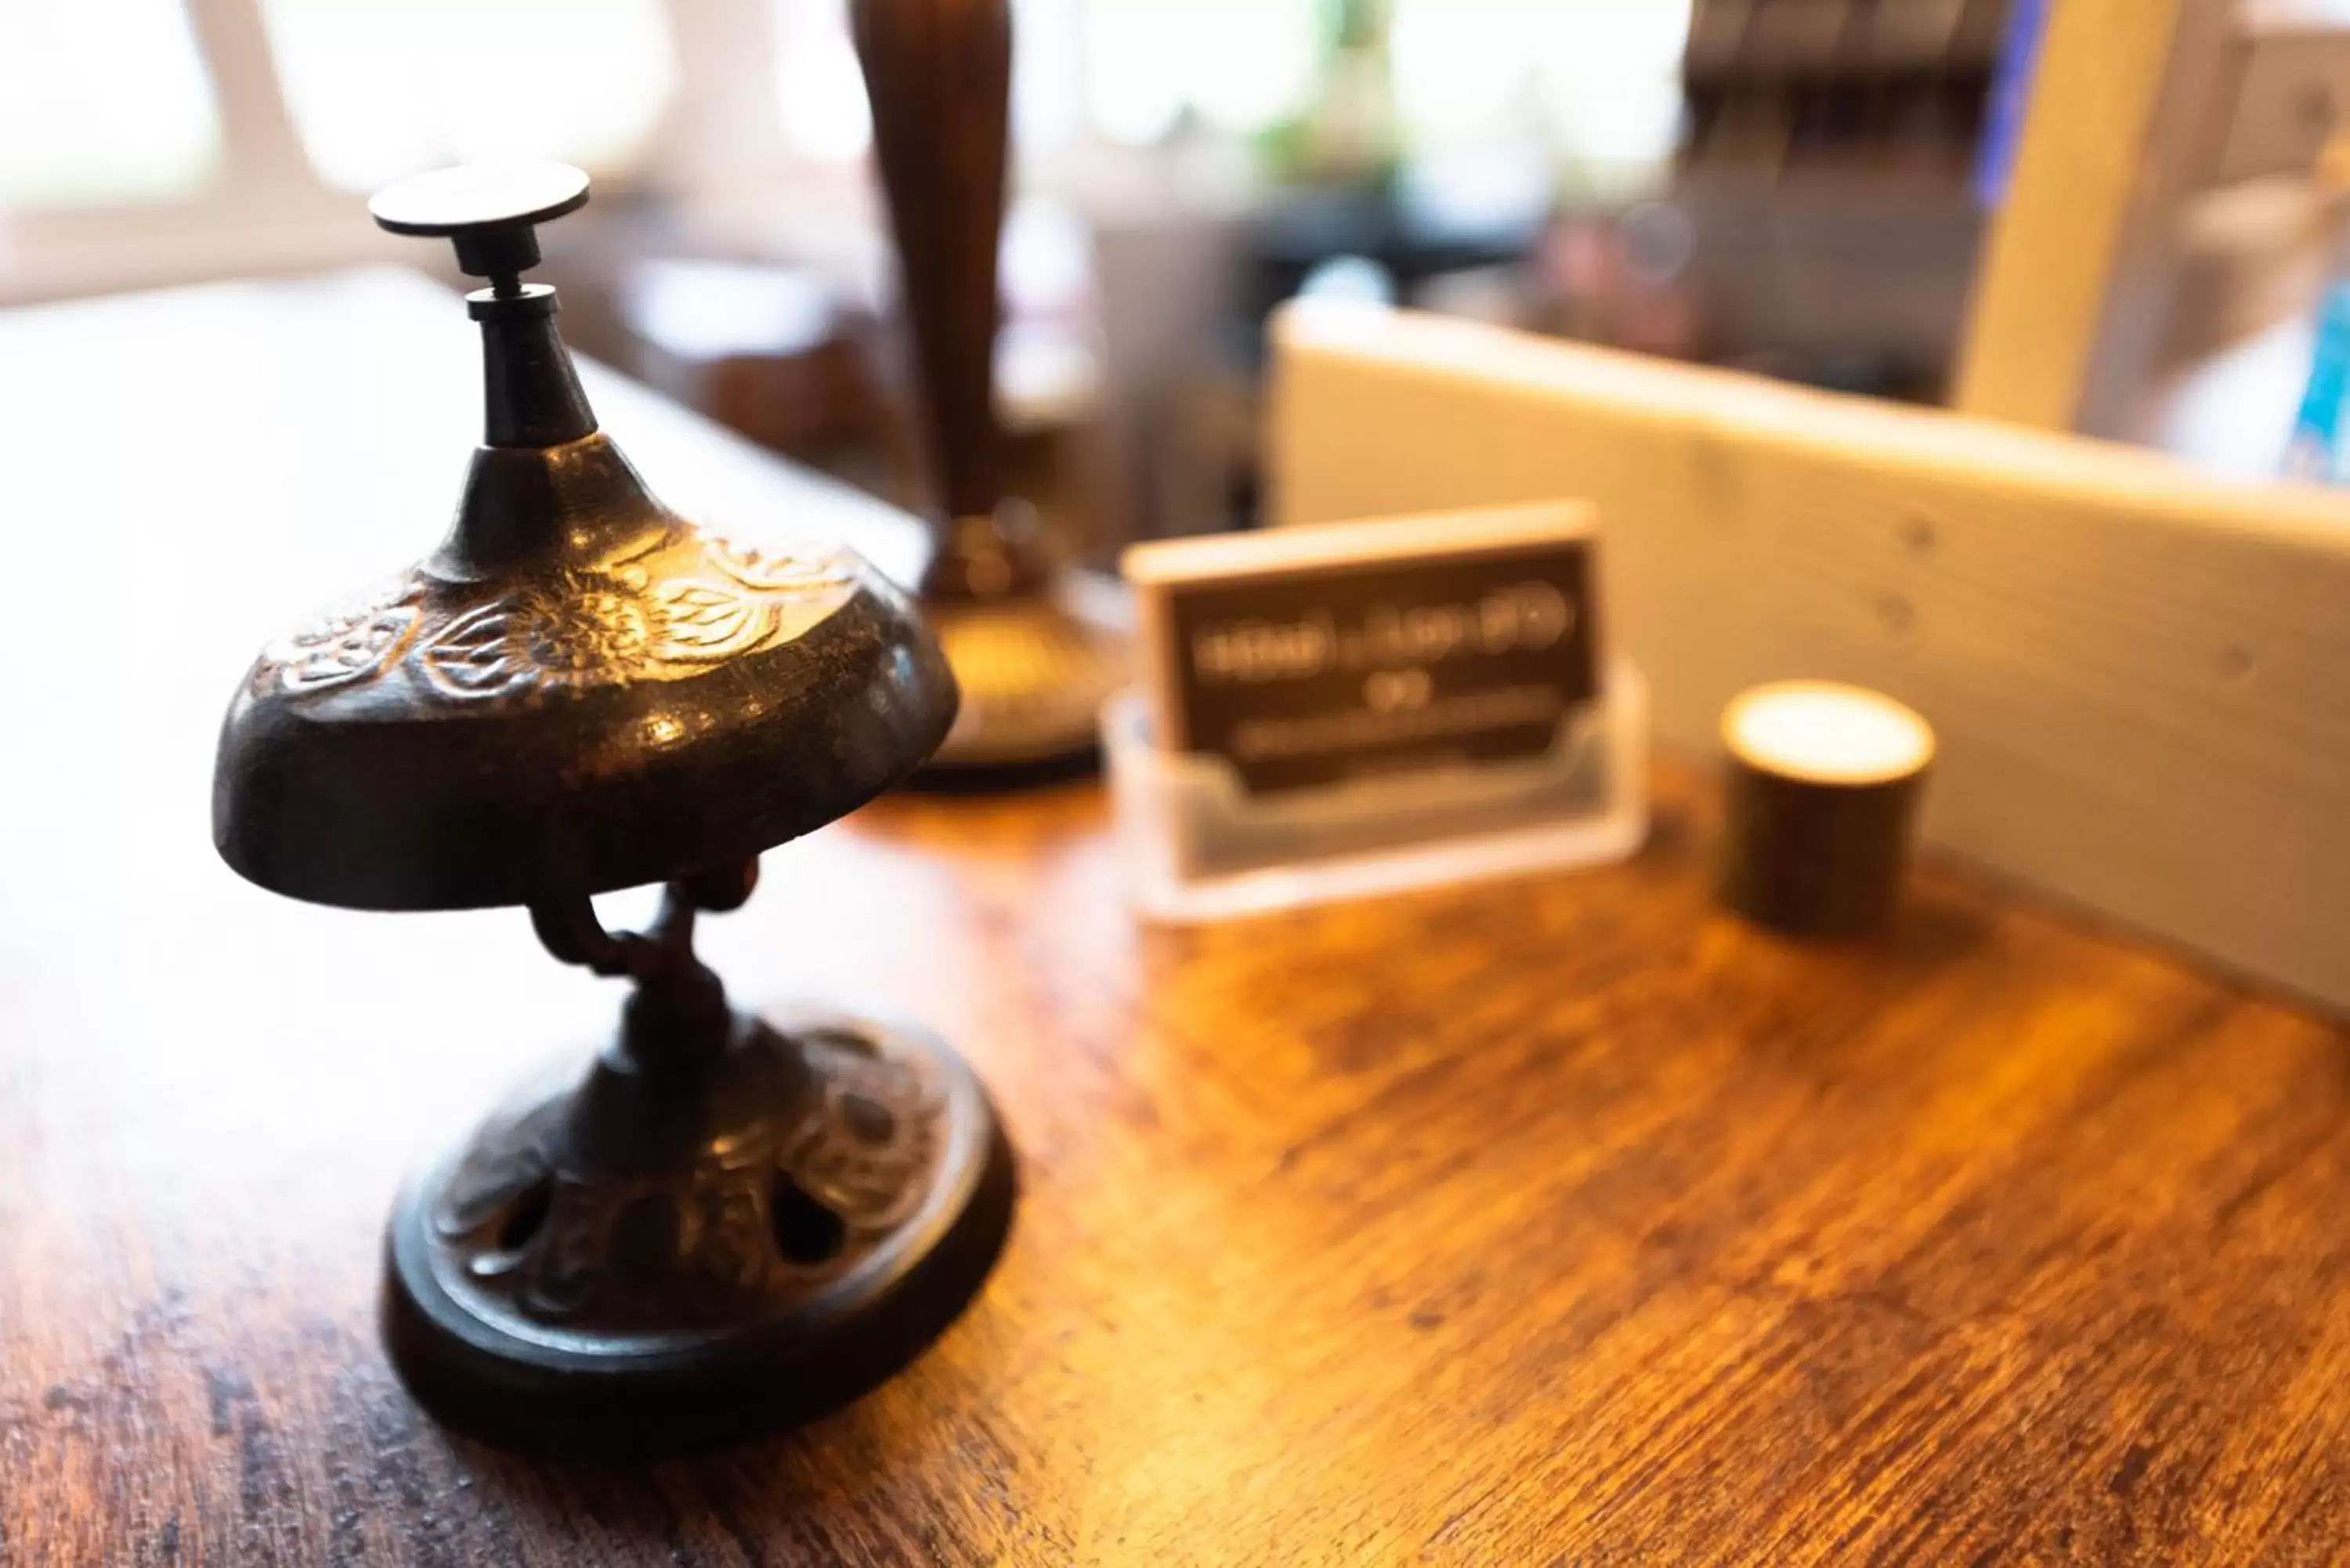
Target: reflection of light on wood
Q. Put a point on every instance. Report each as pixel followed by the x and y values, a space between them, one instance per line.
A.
pixel 1822 732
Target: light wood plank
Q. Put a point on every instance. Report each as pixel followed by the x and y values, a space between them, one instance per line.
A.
pixel 2069 304
pixel 2137 672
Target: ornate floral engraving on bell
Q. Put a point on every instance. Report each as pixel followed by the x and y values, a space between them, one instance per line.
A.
pixel 725 1223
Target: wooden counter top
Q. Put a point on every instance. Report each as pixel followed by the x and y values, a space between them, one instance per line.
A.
pixel 1563 1220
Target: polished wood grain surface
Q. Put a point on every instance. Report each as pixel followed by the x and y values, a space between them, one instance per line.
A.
pixel 1563 1220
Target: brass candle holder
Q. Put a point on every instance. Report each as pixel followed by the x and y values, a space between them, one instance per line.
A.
pixel 721 1223
pixel 1035 653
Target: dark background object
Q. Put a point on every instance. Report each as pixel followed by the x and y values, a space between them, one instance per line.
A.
pixel 939 76
pixel 1817 857
pixel 1814 859
pixel 723 1226
pixel 1034 656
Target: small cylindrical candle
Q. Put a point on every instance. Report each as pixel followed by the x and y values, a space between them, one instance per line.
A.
pixel 1821 792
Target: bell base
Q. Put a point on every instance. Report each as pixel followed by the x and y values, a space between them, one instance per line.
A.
pixel 622 1350
pixel 1034 672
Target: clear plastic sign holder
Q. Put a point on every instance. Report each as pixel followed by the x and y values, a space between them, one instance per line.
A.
pixel 1200 847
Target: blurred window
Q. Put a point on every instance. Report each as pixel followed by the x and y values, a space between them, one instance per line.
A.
pixel 378 89
pixel 102 102
pixel 1128 68
pixel 1048 91
pixel 1599 79
pixel 819 90
pixel 1611 78
pixel 125 103
pixel 1464 70
pixel 1239 65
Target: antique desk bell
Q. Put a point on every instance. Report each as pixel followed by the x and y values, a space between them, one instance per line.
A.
pixel 721 1224
pixel 1034 645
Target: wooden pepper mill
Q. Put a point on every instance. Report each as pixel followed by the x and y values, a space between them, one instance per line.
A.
pixel 1034 654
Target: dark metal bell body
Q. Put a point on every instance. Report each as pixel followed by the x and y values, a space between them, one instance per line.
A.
pixel 580 691
pixel 720 1223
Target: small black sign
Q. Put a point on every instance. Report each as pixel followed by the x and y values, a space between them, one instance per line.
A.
pixel 1471 646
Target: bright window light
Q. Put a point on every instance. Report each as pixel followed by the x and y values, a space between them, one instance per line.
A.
pixel 102 101
pixel 1048 99
pixel 1611 78
pixel 1251 63
pixel 820 89
pixel 1136 61
pixel 379 89
pixel 1463 68
pixel 1240 65
pixel 1600 77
